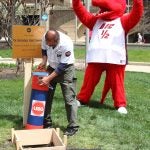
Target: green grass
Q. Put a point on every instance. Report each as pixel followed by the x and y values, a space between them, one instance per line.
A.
pixel 134 55
pixel 139 55
pixel 101 126
pixel 6 53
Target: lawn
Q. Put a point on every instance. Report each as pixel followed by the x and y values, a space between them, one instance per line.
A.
pixel 101 127
pixel 136 55
pixel 5 53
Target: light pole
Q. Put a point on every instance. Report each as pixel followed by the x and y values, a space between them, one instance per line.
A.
pixel 76 24
pixel 87 30
pixel 128 9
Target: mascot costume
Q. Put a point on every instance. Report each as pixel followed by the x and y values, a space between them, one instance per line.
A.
pixel 107 49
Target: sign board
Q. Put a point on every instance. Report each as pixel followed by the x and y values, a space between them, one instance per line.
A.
pixel 27 41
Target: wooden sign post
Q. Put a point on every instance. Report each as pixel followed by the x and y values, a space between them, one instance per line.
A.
pixel 27 89
pixel 27 45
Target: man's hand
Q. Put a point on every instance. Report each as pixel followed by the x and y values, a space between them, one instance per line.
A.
pixel 41 66
pixel 45 80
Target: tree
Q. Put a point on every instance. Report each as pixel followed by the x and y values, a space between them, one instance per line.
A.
pixel 144 25
pixel 22 12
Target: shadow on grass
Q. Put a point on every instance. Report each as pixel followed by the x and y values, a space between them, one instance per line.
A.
pixel 16 120
pixel 97 105
pixel 56 125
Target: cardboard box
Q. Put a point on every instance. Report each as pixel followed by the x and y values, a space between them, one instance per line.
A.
pixel 38 139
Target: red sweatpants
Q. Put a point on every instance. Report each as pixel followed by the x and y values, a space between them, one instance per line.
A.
pixel 116 82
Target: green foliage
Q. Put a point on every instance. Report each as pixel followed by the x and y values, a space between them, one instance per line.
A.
pixel 101 127
pixel 3 65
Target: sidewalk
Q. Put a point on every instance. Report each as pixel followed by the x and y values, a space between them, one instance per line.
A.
pixel 80 64
pixel 138 67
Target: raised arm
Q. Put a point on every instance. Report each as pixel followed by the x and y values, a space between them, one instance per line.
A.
pixel 87 18
pixel 129 20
